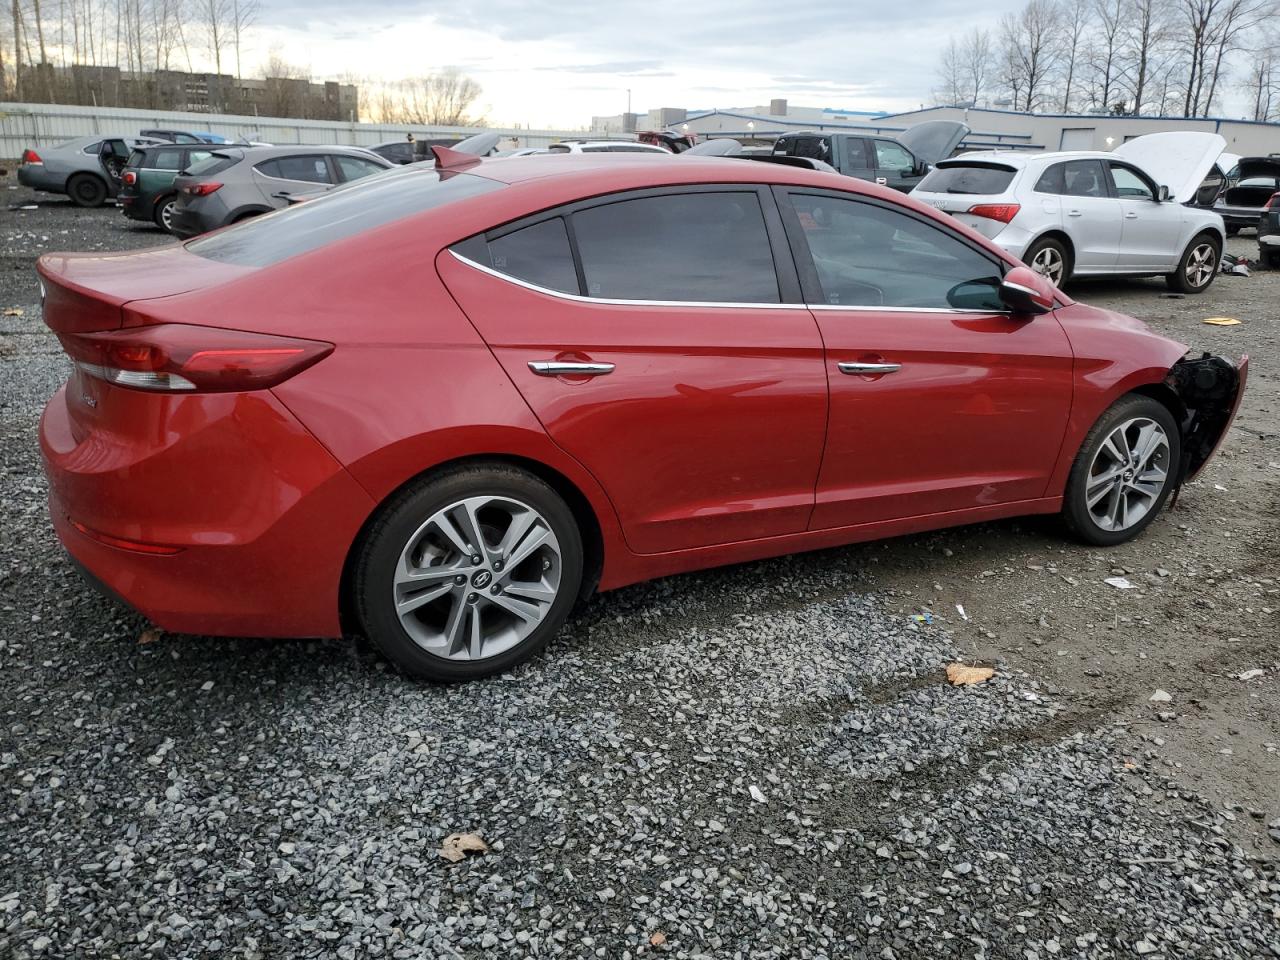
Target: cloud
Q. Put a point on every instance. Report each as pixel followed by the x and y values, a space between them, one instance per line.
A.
pixel 622 67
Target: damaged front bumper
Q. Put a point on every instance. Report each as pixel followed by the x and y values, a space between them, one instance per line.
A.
pixel 1210 389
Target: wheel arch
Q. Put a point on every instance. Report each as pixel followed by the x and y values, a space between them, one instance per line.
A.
pixel 1057 233
pixel 579 504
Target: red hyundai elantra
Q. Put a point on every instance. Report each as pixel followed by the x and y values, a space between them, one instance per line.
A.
pixel 443 404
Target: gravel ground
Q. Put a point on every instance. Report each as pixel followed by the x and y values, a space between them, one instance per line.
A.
pixel 761 761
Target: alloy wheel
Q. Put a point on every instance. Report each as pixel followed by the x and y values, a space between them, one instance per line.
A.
pixel 477 578
pixel 1201 264
pixel 166 215
pixel 1048 263
pixel 1128 474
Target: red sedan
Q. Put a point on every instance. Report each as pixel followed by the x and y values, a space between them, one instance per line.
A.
pixel 441 406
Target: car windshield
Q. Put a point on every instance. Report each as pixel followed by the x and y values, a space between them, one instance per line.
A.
pixel 372 202
pixel 967 178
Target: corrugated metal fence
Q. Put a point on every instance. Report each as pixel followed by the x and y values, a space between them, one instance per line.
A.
pixel 25 125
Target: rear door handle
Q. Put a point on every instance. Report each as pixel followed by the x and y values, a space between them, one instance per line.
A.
pixel 1074 213
pixel 862 369
pixel 567 368
pixel 1131 216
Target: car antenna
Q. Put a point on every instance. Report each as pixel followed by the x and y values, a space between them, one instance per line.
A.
pixel 447 159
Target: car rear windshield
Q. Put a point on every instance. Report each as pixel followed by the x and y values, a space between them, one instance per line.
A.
pixel 214 163
pixel 968 178
pixel 364 205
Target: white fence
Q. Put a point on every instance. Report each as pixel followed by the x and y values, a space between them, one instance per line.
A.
pixel 25 125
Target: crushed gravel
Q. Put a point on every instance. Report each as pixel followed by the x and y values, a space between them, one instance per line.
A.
pixel 763 761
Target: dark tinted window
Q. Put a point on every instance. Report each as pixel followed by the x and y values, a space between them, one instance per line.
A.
pixel 363 205
pixel 165 159
pixel 967 179
pixel 94 147
pixel 870 256
pixel 538 254
pixel 697 246
pixel 135 160
pixel 396 152
pixel 312 168
pixel 816 148
pixel 1077 178
pixel 214 163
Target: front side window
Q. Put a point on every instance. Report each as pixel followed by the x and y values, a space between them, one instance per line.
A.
pixel 892 156
pixel 705 247
pixel 538 254
pixel 871 256
pixel 310 169
pixel 1130 186
pixel 353 168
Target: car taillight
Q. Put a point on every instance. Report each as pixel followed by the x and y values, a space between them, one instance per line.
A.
pixel 201 189
pixel 1271 204
pixel 1004 212
pixel 31 158
pixel 129 178
pixel 176 358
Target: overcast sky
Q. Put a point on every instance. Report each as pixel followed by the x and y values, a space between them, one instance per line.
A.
pixel 558 64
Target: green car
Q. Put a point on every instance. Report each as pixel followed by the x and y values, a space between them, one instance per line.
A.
pixel 146 185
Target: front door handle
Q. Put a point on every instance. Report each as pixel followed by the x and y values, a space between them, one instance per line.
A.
pixel 1131 216
pixel 864 369
pixel 569 368
pixel 1074 213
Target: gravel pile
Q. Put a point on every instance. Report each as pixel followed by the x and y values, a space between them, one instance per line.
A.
pixel 748 763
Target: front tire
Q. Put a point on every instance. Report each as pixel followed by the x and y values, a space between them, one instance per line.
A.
pixel 1198 266
pixel 86 190
pixel 1049 258
pixel 1124 472
pixel 468 573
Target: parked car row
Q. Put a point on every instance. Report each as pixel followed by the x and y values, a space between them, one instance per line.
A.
pixel 617 367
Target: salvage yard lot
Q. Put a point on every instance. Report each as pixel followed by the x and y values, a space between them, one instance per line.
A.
pixel 761 761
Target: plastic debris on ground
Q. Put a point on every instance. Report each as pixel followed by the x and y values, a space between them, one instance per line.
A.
pixel 1221 321
pixel 962 675
pixel 1234 266
pixel 1121 583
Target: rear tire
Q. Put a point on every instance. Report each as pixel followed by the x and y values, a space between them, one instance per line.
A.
pixel 162 214
pixel 1198 266
pixel 444 607
pixel 1049 258
pixel 86 190
pixel 1124 472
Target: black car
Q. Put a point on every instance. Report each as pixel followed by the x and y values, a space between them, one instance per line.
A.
pixel 147 191
pixel 1250 185
pixel 411 151
pixel 899 162
pixel 1269 233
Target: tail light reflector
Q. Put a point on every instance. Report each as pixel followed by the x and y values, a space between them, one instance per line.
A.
pixel 201 189
pixel 1004 212
pixel 136 546
pixel 31 158
pixel 177 358
pixel 129 178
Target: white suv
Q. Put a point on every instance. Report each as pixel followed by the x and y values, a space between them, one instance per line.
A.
pixel 1128 212
pixel 605 146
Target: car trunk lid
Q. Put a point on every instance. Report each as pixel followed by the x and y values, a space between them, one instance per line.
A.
pixel 85 292
pixel 1177 160
pixel 933 140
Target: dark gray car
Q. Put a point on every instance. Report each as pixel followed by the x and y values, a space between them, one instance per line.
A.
pixel 87 169
pixel 236 183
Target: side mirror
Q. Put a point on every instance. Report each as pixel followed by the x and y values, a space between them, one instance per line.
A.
pixel 1162 194
pixel 1026 292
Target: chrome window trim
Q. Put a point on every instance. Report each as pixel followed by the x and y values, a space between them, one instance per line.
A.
pixel 578 298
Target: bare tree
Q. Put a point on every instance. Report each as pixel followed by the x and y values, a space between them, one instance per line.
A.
pixel 284 95
pixel 215 17
pixel 440 99
pixel 950 75
pixel 243 15
pixel 1076 20
pixel 1211 30
pixel 976 63
pixel 1032 51
pixel 17 51
pixel 1105 53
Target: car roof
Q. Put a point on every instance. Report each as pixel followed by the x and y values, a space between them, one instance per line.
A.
pixel 624 171
pixel 287 150
pixel 1018 160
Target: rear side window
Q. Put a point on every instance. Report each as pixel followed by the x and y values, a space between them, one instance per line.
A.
pixel 353 168
pixel 347 211
pixel 165 159
pixel 136 160
pixel 1074 178
pixel 706 247
pixel 310 169
pixel 538 254
pixel 95 147
pixel 214 163
pixel 815 148
pixel 974 179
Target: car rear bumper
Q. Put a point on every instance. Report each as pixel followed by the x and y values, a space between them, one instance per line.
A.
pixel 38 177
pixel 210 514
pixel 192 220
pixel 1239 216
